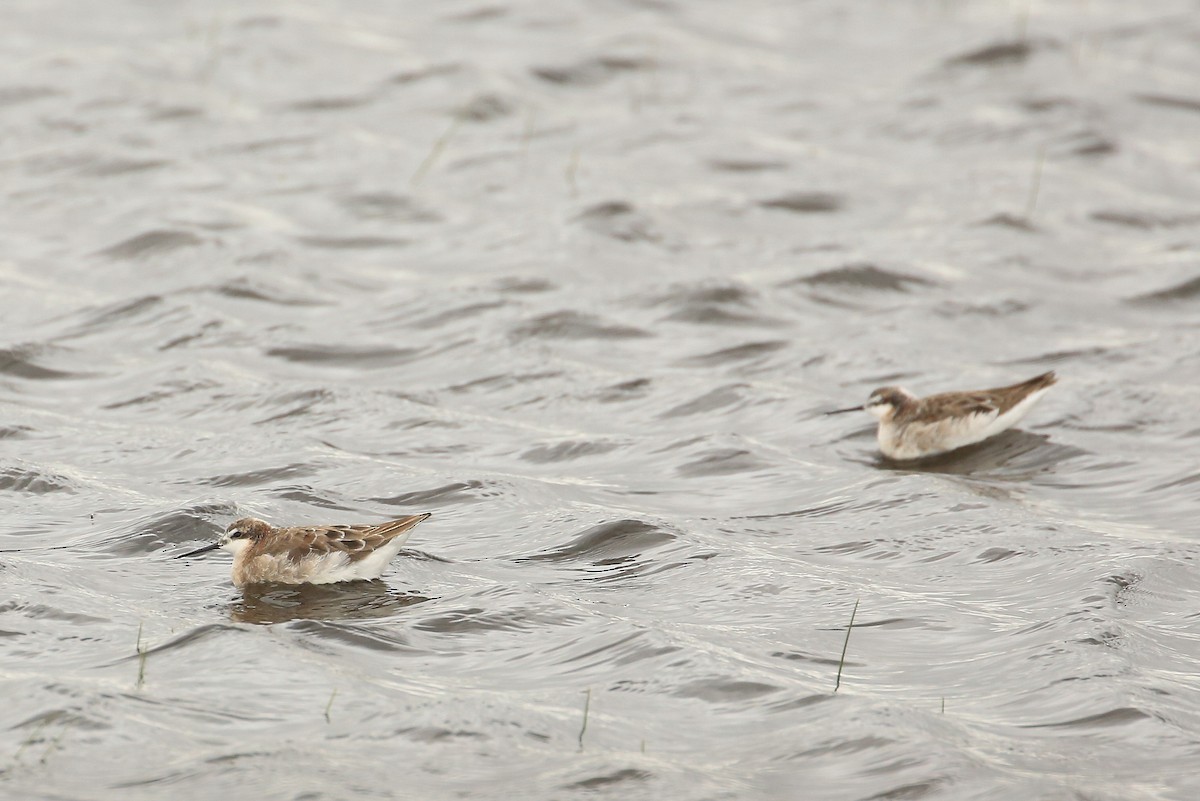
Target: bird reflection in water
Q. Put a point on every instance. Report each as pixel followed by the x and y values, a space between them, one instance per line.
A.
pixel 356 600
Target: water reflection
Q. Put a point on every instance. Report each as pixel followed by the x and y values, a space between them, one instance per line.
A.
pixel 1013 456
pixel 353 600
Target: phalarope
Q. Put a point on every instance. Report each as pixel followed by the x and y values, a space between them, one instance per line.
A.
pixel 310 554
pixel 913 428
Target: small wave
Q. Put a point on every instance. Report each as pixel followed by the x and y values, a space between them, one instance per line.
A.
pixel 610 780
pixel 864 276
pixel 621 221
pixel 420 74
pixel 1144 220
pixel 566 451
pixel 21 361
pixel 624 391
pixel 607 541
pixel 955 309
pixel 486 107
pixel 37 611
pixel 746 165
pixel 457 492
pixel 480 619
pixel 1002 54
pixel 266 145
pixel 175 527
pixel 739 353
pixel 725 690
pixel 197 634
pixel 306 494
pixel 592 71
pixel 247 289
pixel 465 312
pixel 16 95
pixel 806 202
pixel 1093 143
pixel 165 391
pixel 353 242
pixel 723 294
pixel 35 482
pixel 1120 716
pixel 503 381
pixel 1174 102
pixel 522 285
pixel 997 554
pixel 159 113
pixel 151 244
pixel 802 656
pixel 719 398
pixel 251 478
pixel 575 325
pixel 290 405
pixel 722 462
pixel 438 734
pixel 1186 290
pixel 363 357
pixel 387 206
pixel 336 103
pixel 107 316
pixel 106 168
pixel 1013 222
pixel 15 432
pixel 714 305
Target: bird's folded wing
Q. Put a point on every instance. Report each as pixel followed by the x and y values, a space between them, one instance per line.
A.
pixel 941 407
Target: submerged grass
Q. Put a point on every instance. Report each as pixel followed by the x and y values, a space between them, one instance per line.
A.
pixel 587 705
pixel 31 739
pixel 53 746
pixel 329 705
pixel 37 735
pixel 141 650
pixel 434 152
pixel 1035 183
pixel 845 645
pixel 572 171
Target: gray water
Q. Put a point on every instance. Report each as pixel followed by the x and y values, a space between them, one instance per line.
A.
pixel 579 279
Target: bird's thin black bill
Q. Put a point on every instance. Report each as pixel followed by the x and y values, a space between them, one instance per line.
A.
pixel 211 547
pixel 843 411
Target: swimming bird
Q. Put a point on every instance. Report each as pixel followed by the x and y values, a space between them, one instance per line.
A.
pixel 310 554
pixel 913 428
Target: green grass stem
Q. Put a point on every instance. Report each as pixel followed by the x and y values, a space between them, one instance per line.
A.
pixel 845 645
pixel 587 705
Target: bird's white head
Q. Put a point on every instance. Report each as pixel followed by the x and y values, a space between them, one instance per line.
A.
pixel 241 533
pixel 886 401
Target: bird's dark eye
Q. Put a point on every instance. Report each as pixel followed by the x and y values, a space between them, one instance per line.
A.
pixel 236 534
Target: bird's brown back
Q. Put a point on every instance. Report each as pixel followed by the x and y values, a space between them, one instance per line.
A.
pixel 357 542
pixel 984 401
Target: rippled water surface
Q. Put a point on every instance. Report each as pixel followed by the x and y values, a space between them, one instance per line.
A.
pixel 579 279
